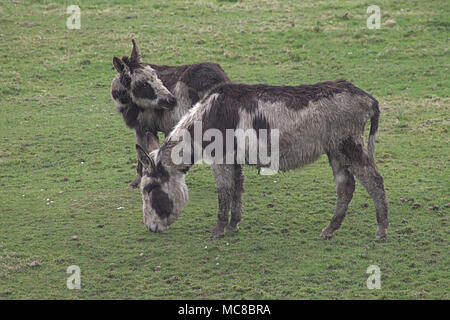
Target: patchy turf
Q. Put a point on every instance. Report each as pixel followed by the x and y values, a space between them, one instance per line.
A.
pixel 66 156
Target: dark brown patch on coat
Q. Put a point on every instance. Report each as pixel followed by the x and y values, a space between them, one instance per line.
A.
pixel 204 76
pixel 353 151
pixel 149 187
pixel 142 89
pixel 199 77
pixel 161 202
pixel 193 96
pixel 125 80
pixel 260 122
pixel 294 97
pixel 223 114
pixel 158 112
pixel 122 96
pixel 130 115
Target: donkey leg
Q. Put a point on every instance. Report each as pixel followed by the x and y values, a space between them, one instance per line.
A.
pixel 236 204
pixel 141 140
pixel 373 183
pixel 345 186
pixel 135 183
pixel 223 174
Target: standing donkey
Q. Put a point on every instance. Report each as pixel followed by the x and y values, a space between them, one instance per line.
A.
pixel 323 118
pixel 153 98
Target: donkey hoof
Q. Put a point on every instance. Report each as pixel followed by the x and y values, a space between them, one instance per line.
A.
pixel 381 234
pixel 216 233
pixel 326 233
pixel 133 185
pixel 230 228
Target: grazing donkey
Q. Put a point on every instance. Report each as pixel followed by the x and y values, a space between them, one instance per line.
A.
pixel 327 117
pixel 153 98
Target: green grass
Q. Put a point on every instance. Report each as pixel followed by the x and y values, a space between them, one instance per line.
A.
pixel 62 140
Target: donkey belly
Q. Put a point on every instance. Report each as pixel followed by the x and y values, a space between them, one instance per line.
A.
pixel 299 151
pixel 304 133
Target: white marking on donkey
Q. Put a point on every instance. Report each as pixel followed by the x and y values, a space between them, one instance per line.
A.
pixel 323 118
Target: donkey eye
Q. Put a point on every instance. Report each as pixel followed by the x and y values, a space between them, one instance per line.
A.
pixel 148 188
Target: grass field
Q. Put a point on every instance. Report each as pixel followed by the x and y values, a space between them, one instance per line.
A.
pixel 66 156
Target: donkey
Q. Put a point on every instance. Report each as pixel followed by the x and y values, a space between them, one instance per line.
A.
pixel 153 98
pixel 311 120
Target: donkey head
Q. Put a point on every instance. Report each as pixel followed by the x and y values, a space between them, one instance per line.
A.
pixel 142 82
pixel 163 188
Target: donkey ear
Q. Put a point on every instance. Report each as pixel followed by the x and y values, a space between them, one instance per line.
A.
pixel 135 54
pixel 145 159
pixel 152 141
pixel 126 60
pixel 119 65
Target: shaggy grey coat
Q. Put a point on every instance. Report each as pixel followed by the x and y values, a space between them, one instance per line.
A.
pixel 323 118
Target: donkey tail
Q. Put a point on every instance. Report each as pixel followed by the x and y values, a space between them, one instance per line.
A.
pixel 373 130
